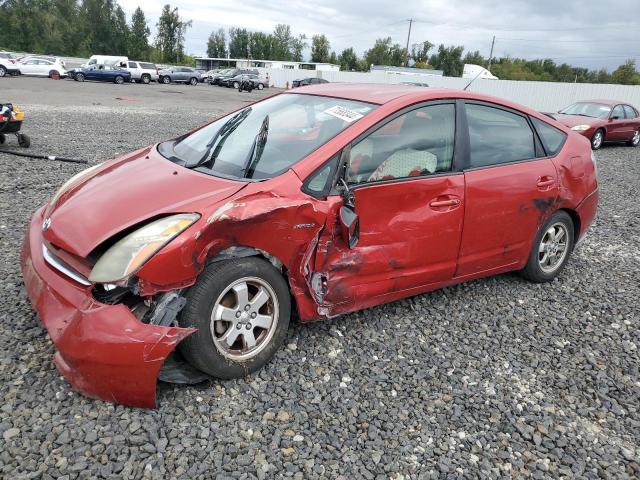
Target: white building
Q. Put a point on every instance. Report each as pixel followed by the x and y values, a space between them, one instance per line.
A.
pixel 215 63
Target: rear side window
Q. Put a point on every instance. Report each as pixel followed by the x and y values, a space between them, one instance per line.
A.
pixel 148 66
pixel 497 136
pixel 133 65
pixel 630 112
pixel 551 137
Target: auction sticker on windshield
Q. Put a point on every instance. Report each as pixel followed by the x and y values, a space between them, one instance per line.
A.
pixel 344 113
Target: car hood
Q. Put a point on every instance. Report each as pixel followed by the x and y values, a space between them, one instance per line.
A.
pixel 126 192
pixel 573 120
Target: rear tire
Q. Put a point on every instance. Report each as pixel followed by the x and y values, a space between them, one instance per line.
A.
pixel 193 81
pixel 216 306
pixel 597 140
pixel 146 79
pixel 635 140
pixel 260 86
pixel 551 249
pixel 2 139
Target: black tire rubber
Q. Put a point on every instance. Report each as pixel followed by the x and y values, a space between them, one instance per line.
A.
pixel 166 80
pixel 193 81
pixel 601 143
pixel 260 86
pixel 199 348
pixel 631 144
pixel 2 138
pixel 3 71
pixel 79 77
pixel 146 79
pixel 24 140
pixel 119 80
pixel 532 270
pixel 236 85
pixel 52 73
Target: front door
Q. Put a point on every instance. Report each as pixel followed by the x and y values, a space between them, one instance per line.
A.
pixel 410 206
pixel 508 190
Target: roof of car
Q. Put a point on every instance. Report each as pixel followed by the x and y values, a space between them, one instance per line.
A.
pixel 611 103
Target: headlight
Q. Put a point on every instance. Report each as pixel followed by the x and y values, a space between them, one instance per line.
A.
pixel 68 183
pixel 130 253
pixel 580 128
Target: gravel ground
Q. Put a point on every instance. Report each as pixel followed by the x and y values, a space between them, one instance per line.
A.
pixel 497 377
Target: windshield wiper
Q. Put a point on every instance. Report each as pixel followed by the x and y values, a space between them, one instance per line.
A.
pixel 217 141
pixel 256 149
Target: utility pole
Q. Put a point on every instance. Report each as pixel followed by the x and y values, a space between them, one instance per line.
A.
pixel 493 42
pixel 406 50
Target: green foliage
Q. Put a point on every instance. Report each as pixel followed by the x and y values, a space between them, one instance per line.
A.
pixel 384 52
pixel 320 49
pixel 449 60
pixel 348 60
pixel 420 53
pixel 217 44
pixel 139 36
pixel 626 74
pixel 170 36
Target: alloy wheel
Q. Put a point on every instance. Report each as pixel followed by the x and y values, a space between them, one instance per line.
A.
pixel 635 140
pixel 596 142
pixel 553 247
pixel 244 318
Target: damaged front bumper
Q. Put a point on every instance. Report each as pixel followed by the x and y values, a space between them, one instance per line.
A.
pixel 103 351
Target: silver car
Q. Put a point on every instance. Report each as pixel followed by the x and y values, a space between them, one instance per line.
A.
pixel 180 74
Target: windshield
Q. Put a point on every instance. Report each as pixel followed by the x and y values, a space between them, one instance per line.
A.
pixel 595 110
pixel 265 139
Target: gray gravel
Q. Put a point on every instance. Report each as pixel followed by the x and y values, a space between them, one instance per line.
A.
pixel 494 378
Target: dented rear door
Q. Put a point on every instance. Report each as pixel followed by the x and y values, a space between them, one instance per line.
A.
pixel 509 191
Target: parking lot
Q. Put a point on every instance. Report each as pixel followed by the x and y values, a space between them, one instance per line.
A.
pixel 497 377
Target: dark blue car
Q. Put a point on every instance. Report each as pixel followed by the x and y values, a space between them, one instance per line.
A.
pixel 105 73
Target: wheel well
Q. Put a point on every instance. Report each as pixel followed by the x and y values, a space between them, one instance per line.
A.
pixel 244 251
pixel 576 223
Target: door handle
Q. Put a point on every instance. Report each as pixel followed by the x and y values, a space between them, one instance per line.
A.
pixel 544 182
pixel 451 202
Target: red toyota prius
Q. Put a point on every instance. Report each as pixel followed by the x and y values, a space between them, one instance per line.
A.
pixel 312 203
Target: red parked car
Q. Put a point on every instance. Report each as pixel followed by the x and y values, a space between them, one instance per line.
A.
pixel 602 121
pixel 312 203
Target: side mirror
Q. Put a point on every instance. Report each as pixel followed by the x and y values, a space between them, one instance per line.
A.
pixel 350 226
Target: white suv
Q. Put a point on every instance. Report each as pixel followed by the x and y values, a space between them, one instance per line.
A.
pixel 142 72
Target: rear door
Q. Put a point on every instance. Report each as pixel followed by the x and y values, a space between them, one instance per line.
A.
pixel 631 121
pixel 509 189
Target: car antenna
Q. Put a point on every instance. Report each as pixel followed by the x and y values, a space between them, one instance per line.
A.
pixel 473 79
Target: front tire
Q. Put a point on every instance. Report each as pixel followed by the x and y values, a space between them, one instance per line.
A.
pixel 597 140
pixel 241 308
pixel 3 71
pixel 635 140
pixel 118 80
pixel 166 80
pixel 146 79
pixel 551 249
pixel 79 77
pixel 193 82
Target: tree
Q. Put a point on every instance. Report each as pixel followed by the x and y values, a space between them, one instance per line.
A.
pixel 333 58
pixel 626 74
pixel 320 48
pixel 139 36
pixel 239 43
pixel 170 36
pixel 449 60
pixel 384 52
pixel 297 46
pixel 474 58
pixel 216 44
pixel 348 60
pixel 261 45
pixel 420 52
pixel 281 47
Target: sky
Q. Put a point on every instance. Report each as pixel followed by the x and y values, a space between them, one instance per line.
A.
pixel 588 33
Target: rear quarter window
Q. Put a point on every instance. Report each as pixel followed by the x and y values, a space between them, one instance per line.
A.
pixel 148 66
pixel 551 137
